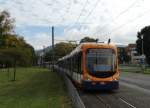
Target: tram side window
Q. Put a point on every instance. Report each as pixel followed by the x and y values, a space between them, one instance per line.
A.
pixel 67 64
pixel 63 63
pixel 80 62
pixel 70 64
pixel 72 60
pixel 76 63
pixel 60 63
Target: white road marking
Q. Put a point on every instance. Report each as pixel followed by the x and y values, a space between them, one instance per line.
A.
pixel 127 103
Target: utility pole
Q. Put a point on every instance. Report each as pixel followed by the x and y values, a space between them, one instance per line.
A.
pixel 143 56
pixel 142 46
pixel 53 48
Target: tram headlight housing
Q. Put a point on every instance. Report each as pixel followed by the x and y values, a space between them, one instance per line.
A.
pixel 115 79
pixel 88 77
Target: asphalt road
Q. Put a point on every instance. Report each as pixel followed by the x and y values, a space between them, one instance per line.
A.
pixel 134 92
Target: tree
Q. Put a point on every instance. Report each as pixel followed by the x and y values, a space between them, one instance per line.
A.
pixel 6 26
pixel 14 50
pixel 60 49
pixel 13 57
pixel 6 23
pixel 144 35
pixel 13 45
pixel 88 39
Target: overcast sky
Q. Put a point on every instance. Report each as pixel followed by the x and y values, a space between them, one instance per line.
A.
pixel 119 20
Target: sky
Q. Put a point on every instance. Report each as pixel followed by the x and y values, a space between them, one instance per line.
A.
pixel 119 20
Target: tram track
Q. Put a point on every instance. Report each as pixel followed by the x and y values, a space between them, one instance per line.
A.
pixel 101 100
pixel 123 98
pixel 113 101
pixel 132 106
pixel 118 100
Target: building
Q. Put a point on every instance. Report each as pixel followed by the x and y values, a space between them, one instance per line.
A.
pixel 121 53
pixel 135 57
pixel 128 54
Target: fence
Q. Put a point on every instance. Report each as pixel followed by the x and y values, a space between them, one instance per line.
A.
pixel 73 93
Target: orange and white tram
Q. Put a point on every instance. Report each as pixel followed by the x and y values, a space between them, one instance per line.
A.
pixel 93 66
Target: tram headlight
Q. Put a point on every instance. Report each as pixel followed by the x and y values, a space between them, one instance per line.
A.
pixel 88 77
pixel 115 79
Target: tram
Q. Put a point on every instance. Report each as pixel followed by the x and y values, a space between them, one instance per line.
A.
pixel 92 66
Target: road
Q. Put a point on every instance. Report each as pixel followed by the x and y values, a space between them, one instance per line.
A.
pixel 134 92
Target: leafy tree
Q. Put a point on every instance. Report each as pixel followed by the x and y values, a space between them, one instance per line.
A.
pixel 13 49
pixel 6 23
pixel 6 26
pixel 88 39
pixel 13 46
pixel 144 35
pixel 61 49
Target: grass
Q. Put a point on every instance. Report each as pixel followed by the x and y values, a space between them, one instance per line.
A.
pixel 147 71
pixel 135 69
pixel 33 88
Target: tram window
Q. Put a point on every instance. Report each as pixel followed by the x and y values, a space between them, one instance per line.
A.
pixel 73 64
pixel 79 62
pixel 76 63
pixel 69 64
pixel 100 60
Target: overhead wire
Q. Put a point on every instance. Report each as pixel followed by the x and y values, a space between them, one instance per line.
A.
pixel 90 12
pixel 120 14
pixel 82 11
pixel 131 21
pixel 97 2
pixel 67 11
pixel 77 21
pixel 67 40
pixel 126 10
pixel 94 7
pixel 78 18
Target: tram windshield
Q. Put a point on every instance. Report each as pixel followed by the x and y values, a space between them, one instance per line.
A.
pixel 100 60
